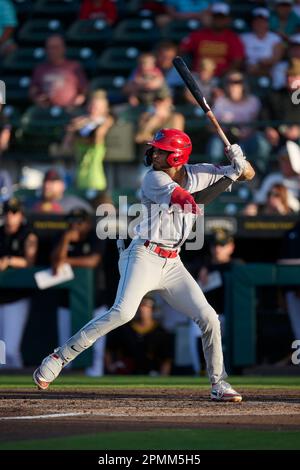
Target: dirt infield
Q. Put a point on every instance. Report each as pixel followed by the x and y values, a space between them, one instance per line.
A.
pixel 29 414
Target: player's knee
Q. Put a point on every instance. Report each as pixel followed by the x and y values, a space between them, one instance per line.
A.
pixel 211 321
pixel 126 312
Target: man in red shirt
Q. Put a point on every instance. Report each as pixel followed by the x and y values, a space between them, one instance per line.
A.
pixel 218 42
pixel 58 81
pixel 92 9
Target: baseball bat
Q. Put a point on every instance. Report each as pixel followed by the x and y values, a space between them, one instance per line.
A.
pixel 194 88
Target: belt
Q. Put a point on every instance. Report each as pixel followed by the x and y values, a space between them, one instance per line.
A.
pixel 160 251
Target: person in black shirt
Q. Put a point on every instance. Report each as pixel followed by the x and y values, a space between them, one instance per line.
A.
pixel 79 246
pixel 139 347
pixel 18 249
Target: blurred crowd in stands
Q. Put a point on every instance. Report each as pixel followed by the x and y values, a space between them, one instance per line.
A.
pixel 88 83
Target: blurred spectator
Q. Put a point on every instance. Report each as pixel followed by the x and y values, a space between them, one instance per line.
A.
pixel 18 249
pixel 288 175
pixel 263 48
pixel 296 7
pixel 291 256
pixel 140 346
pixel 283 106
pixel 172 322
pixel 235 110
pixel 8 23
pixel 156 7
pixel 162 114
pixel 207 81
pixel 217 42
pixel 6 186
pixel 165 52
pixel 279 70
pixel 284 20
pixel 259 3
pixel 80 247
pixel 53 199
pixel 58 81
pixel 146 80
pixel 5 131
pixel 250 210
pixel 85 138
pixel 277 203
pixel 188 10
pixel 211 278
pixel 105 9
pixel 185 10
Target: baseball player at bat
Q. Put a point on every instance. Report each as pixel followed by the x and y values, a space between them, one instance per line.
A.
pixel 152 261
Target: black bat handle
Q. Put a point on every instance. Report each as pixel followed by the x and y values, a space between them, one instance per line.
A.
pixel 190 82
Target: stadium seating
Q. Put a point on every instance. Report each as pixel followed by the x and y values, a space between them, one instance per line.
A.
pixel 132 113
pixel 130 193
pixel 140 32
pixel 23 9
pixel 118 60
pixel 12 113
pixel 176 30
pixel 35 32
pixel 120 143
pixel 67 10
pixel 85 55
pixel 93 33
pixel 17 87
pixel 40 127
pixel 113 85
pixel 23 60
pixel 259 85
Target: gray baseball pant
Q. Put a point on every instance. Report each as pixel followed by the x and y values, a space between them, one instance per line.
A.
pixel 143 271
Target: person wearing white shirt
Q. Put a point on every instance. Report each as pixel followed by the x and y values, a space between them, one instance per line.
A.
pixel 279 70
pixel 263 47
pixel 288 174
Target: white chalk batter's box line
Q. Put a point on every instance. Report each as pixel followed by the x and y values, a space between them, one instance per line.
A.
pixel 175 415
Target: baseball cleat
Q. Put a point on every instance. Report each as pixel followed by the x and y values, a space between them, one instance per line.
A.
pixel 42 384
pixel 48 371
pixel 222 391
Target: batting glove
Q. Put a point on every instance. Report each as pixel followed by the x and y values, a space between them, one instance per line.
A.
pixel 234 151
pixel 236 169
pixel 239 164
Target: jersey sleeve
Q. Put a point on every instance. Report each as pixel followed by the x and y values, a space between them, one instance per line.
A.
pixel 158 187
pixel 202 175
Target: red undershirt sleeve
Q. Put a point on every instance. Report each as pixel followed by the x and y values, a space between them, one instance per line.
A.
pixel 185 200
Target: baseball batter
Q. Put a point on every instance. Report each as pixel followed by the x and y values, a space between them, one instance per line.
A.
pixel 152 261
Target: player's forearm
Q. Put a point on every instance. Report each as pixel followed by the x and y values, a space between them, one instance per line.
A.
pixel 210 193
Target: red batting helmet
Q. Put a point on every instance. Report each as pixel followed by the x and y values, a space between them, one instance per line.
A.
pixel 174 141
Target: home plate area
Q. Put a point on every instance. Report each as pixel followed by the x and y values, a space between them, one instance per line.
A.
pixel 28 414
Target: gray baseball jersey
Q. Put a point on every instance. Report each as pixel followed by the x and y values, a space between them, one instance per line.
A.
pixel 170 226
